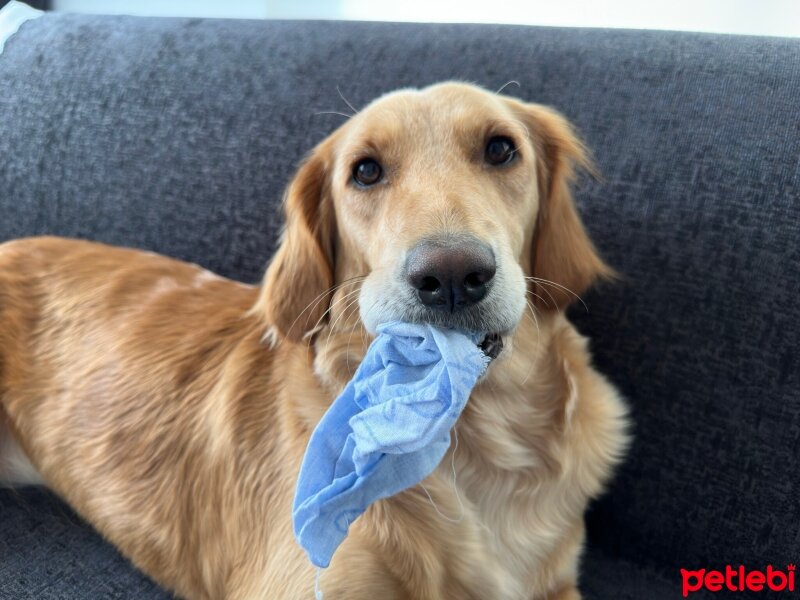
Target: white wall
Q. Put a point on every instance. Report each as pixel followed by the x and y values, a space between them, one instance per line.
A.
pixel 237 9
pixel 760 17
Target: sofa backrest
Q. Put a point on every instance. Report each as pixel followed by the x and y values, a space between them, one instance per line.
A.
pixel 178 135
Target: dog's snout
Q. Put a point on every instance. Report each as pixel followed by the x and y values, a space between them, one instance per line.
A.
pixel 450 275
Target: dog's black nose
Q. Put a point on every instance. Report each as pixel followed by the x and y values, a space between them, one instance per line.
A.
pixel 450 274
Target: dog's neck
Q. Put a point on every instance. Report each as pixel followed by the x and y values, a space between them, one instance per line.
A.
pixel 515 415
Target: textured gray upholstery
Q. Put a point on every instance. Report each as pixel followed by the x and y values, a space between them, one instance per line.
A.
pixel 179 135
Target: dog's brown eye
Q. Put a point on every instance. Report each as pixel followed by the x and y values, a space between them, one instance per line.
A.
pixel 500 150
pixel 367 172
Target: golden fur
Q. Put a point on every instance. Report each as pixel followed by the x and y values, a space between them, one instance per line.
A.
pixel 171 407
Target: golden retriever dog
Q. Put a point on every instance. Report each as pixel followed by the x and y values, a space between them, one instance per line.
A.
pixel 171 407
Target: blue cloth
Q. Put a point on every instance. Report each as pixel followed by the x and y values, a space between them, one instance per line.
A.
pixel 386 432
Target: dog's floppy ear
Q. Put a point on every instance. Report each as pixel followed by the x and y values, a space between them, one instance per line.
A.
pixel 296 291
pixel 561 251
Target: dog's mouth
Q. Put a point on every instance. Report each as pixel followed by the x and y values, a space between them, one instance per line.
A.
pixel 492 345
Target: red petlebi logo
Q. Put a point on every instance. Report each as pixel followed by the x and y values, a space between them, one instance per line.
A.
pixel 738 580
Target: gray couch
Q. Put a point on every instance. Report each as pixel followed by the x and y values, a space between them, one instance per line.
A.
pixel 178 135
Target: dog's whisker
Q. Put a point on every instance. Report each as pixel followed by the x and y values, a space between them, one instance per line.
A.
pixel 559 286
pixel 505 85
pixel 546 291
pixel 349 294
pixel 346 101
pixel 538 338
pixel 344 311
pixel 329 311
pixel 532 293
pixel 352 329
pixel 363 334
pixel 332 112
pixel 333 305
pixel 352 306
pixel 319 298
pixel 347 346
pixel 353 280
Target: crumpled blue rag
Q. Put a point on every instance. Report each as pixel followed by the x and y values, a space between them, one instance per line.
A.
pixel 387 431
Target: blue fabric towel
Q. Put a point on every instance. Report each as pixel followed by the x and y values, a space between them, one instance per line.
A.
pixel 386 432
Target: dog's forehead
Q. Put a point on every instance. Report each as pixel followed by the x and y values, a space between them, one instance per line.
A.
pixel 444 109
pixel 441 102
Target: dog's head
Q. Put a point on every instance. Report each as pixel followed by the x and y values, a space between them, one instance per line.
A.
pixel 448 205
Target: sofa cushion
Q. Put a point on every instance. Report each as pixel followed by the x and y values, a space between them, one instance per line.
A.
pixel 48 553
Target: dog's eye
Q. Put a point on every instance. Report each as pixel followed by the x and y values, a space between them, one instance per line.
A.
pixel 367 172
pixel 500 150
